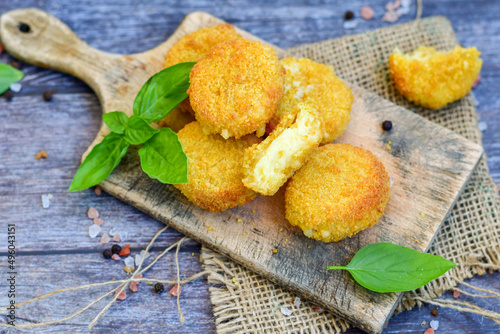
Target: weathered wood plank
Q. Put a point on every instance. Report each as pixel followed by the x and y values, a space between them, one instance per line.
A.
pixel 116 78
pixel 141 312
pixel 110 26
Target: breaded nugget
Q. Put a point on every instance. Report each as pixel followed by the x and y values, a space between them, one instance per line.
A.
pixel 340 191
pixel 215 169
pixel 433 79
pixel 236 88
pixel 195 45
pixel 269 164
pixel 317 85
pixel 176 120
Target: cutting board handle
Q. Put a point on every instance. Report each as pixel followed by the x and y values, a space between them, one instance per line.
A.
pixel 37 37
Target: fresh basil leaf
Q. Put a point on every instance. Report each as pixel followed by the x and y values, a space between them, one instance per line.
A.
pixel 100 162
pixel 116 121
pixel 385 267
pixel 163 92
pixel 163 158
pixel 8 76
pixel 138 131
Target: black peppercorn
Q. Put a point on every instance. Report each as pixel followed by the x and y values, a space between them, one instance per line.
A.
pixel 107 254
pixel 47 96
pixel 158 288
pixel 116 249
pixel 349 15
pixel 387 125
pixel 8 95
pixel 24 28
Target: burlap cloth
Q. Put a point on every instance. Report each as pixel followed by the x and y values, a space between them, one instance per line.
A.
pixel 469 237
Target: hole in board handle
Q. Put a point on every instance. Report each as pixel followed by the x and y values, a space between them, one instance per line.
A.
pixel 24 28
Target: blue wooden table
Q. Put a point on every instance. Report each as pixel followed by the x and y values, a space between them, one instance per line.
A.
pixel 53 245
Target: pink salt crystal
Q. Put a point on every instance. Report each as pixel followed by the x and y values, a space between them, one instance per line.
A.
pixel 391 6
pixel 318 309
pixel 105 238
pixel 367 13
pixel 116 237
pixel 92 213
pixel 476 82
pixel 390 17
pixel 115 257
pixel 98 221
pixel 122 295
pixel 456 294
pixel 133 286
pixel 175 291
pixel 429 331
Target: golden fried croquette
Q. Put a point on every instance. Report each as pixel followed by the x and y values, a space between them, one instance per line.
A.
pixel 317 85
pixel 236 88
pixel 269 164
pixel 340 191
pixel 215 169
pixel 175 120
pixel 193 46
pixel 433 79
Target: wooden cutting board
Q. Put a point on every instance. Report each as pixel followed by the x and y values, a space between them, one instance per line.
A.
pixel 429 165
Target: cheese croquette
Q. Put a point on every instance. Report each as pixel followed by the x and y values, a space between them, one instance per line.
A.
pixel 317 85
pixel 236 88
pixel 340 191
pixel 433 79
pixel 269 164
pixel 215 169
pixel 195 45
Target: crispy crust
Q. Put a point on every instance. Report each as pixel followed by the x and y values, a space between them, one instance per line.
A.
pixel 193 46
pixel 317 85
pixel 340 191
pixel 433 79
pixel 269 164
pixel 236 88
pixel 215 169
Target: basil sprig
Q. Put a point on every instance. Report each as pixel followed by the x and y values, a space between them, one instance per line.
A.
pixel 385 267
pixel 8 76
pixel 162 156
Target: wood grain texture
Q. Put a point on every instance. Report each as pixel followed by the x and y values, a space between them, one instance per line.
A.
pixel 428 163
pixel 68 124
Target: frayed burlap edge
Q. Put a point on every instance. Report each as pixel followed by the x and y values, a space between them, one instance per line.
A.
pixel 469 237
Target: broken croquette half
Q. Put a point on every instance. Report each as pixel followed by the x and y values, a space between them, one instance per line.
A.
pixel 433 79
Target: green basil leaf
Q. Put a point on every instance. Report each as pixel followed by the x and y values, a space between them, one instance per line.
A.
pixel 163 92
pixel 8 76
pixel 100 162
pixel 116 121
pixel 163 158
pixel 385 267
pixel 138 131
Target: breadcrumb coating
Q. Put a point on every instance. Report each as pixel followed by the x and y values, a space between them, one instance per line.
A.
pixel 236 88
pixel 193 46
pixel 433 79
pixel 215 169
pixel 269 164
pixel 340 191
pixel 317 85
